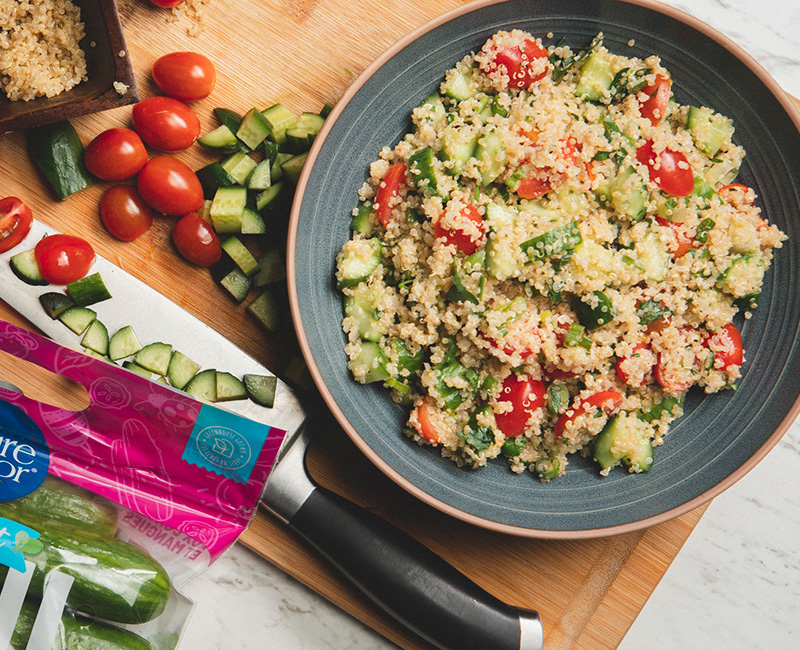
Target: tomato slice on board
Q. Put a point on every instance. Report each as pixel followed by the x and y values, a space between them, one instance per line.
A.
pixel 15 222
pixel 726 344
pixel 392 183
pixel 462 239
pixel 63 258
pixel 521 63
pixel 673 174
pixel 526 396
pixel 658 93
pixel 607 400
pixel 196 240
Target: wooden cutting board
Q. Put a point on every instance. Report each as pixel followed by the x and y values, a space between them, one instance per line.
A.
pixel 304 53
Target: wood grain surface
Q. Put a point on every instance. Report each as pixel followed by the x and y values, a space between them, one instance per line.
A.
pixel 304 53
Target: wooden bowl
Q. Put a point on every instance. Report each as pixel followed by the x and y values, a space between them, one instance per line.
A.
pixel 107 62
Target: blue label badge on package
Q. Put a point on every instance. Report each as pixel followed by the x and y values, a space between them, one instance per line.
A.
pixel 225 443
pixel 16 539
pixel 24 455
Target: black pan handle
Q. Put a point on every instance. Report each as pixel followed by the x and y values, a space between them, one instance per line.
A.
pixel 409 581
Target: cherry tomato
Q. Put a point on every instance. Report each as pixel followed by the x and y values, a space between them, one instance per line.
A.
pixel 726 344
pixel 665 380
pixel 388 190
pixel 116 154
pixel 124 213
pixel 465 241
pixel 683 244
pixel 169 185
pixel 63 258
pixel 15 222
pixel 424 421
pixel 674 175
pixel 187 76
pixel 522 67
pixel 655 106
pixel 736 194
pixel 539 182
pixel 558 373
pixel 526 397
pixel 607 400
pixel 196 240
pixel 532 187
pixel 668 380
pixel 165 123
pixel 167 3
pixel 622 363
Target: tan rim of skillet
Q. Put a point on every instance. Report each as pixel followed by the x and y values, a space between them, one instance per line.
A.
pixel 723 485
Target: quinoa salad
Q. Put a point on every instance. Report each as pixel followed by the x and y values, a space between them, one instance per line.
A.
pixel 551 258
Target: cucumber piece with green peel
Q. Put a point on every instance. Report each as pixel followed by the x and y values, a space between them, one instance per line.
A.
pixel 239 165
pixel 261 389
pixel 88 290
pixel 253 129
pixel 212 177
pixel 293 167
pixel 459 85
pixel 155 357
pixel 96 338
pixel 123 344
pixel 220 140
pixel 227 209
pixel 597 75
pixel 260 178
pixel 422 168
pixel 624 441
pixel 265 309
pixel 371 357
pixel 491 157
pixel 78 319
pixel 26 268
pixel 710 130
pixel 55 304
pixel 357 260
pixel 181 369
pixel 276 170
pixel 271 268
pixel 597 312
pixel 237 284
pixel 137 369
pixel 203 385
pixel 279 118
pixel 59 154
pixel 458 148
pixel 242 257
pixel 229 388
pixel 629 195
pixel 361 307
pixel 362 221
pixel 253 223
pixel 271 199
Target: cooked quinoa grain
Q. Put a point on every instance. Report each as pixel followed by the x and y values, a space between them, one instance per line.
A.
pixel 552 257
pixel 40 55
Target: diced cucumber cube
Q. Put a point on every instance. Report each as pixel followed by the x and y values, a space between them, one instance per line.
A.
pixel 254 128
pixel 227 209
pixel 293 167
pixel 369 364
pixel 279 119
pixel 357 260
pixel 212 177
pixel 596 77
pixel 253 223
pixel 77 319
pixel 260 177
pixel 239 165
pixel 710 130
pixel 271 268
pixel 26 268
pixel 242 257
pixel 276 171
pixel 55 304
pixel 220 140
pixel 237 284
pixel 265 309
pixel 96 338
pixel 136 368
pixel 88 290
pixel 361 308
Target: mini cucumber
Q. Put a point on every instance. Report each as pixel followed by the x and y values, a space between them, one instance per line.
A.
pixel 59 153
pixel 229 388
pixel 123 344
pixel 261 389
pixel 181 369
pixel 26 268
pixel 155 357
pixel 77 634
pixel 96 338
pixel 66 504
pixel 77 319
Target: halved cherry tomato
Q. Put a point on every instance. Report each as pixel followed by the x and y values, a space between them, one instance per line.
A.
pixel 666 379
pixel 533 186
pixel 655 106
pixel 116 154
pixel 165 123
pixel 539 182
pixel 607 400
pixel 735 194
pixel 558 373
pixel 196 240
pixel 187 76
pixel 674 175
pixel 124 213
pixel 424 421
pixel 518 63
pixel 15 222
pixel 464 241
pixel 526 397
pixel 169 185
pixel 392 183
pixel 726 344
pixel 622 361
pixel 684 243
pixel 63 258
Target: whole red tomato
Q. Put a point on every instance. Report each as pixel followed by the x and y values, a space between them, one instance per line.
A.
pixel 63 258
pixel 15 222
pixel 187 76
pixel 116 154
pixel 526 396
pixel 196 240
pixel 124 213
pixel 169 185
pixel 165 123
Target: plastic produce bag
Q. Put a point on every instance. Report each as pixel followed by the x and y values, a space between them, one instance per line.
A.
pixel 106 512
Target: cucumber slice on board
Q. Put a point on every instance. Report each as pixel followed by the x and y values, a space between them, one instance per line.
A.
pixel 26 268
pixel 203 385
pixel 123 344
pixel 229 387
pixel 88 290
pixel 96 338
pixel 78 319
pixel 265 309
pixel 55 304
pixel 155 357
pixel 181 369
pixel 242 257
pixel 261 389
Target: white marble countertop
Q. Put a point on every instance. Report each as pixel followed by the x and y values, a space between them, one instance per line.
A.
pixel 734 585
